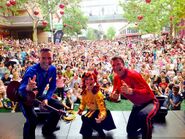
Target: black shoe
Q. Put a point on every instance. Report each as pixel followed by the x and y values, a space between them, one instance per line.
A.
pixel 86 137
pixel 101 135
pixel 47 132
pixel 133 136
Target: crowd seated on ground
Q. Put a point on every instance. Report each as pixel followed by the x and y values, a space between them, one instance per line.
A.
pixel 160 63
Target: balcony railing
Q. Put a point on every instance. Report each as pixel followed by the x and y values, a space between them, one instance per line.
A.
pixel 105 18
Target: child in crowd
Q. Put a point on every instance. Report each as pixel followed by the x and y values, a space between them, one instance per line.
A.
pixel 76 93
pixel 97 116
pixel 60 82
pixel 169 92
pixel 106 87
pixel 6 78
pixel 68 102
pixel 163 86
pixel 175 99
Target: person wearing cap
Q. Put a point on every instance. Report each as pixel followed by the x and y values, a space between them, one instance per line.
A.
pixel 132 86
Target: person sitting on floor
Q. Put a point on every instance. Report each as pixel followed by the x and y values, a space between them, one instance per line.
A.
pixel 76 93
pixel 67 102
pixel 175 99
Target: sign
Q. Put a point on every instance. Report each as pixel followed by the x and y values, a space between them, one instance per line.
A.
pixel 58 36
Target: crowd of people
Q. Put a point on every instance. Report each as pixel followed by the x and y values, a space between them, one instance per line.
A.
pixel 78 71
pixel 160 62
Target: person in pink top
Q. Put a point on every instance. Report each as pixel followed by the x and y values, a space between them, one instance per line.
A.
pixel 132 86
pixel 60 83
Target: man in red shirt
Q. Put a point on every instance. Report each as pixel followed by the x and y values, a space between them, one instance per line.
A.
pixel 132 86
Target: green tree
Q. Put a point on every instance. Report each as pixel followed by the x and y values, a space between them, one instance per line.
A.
pixel 49 7
pixel 91 34
pixel 152 17
pixel 111 32
pixel 8 9
pixel 74 20
pixel 72 17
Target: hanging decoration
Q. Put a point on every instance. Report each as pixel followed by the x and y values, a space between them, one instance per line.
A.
pixel 8 4
pixel 147 1
pixel 61 6
pixel 13 2
pixel 44 23
pixel 139 17
pixel 65 25
pixel 61 12
pixel 36 12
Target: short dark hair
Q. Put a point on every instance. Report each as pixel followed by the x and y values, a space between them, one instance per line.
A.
pixel 163 71
pixel 67 67
pixel 45 50
pixel 118 57
pixel 171 85
pixel 176 88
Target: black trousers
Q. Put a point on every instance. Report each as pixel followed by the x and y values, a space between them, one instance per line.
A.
pixel 141 118
pixel 60 92
pixel 32 118
pixel 89 123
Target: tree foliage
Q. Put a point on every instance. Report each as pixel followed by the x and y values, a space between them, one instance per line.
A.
pixel 155 15
pixel 91 34
pixel 111 32
pixel 72 18
pixel 11 10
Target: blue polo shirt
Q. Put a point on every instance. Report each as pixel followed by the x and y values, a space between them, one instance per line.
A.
pixel 42 79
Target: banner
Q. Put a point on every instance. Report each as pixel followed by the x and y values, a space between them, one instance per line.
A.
pixel 58 36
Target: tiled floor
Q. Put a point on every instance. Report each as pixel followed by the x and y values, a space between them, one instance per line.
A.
pixel 173 128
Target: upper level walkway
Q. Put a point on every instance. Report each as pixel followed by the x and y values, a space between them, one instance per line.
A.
pixel 173 128
pixel 106 18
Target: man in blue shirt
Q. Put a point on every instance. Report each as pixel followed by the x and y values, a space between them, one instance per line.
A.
pixel 37 77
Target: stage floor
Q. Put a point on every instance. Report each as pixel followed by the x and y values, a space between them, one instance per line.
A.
pixel 11 126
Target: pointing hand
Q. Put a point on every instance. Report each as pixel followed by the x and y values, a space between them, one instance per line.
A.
pixel 31 84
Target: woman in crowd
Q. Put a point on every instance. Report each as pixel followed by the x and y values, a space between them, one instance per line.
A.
pixel 97 116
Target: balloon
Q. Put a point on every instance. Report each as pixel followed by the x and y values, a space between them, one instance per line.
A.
pixel 147 1
pixel 140 17
pixel 8 4
pixel 36 12
pixel 44 23
pixel 12 2
pixel 62 12
pixel 61 6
